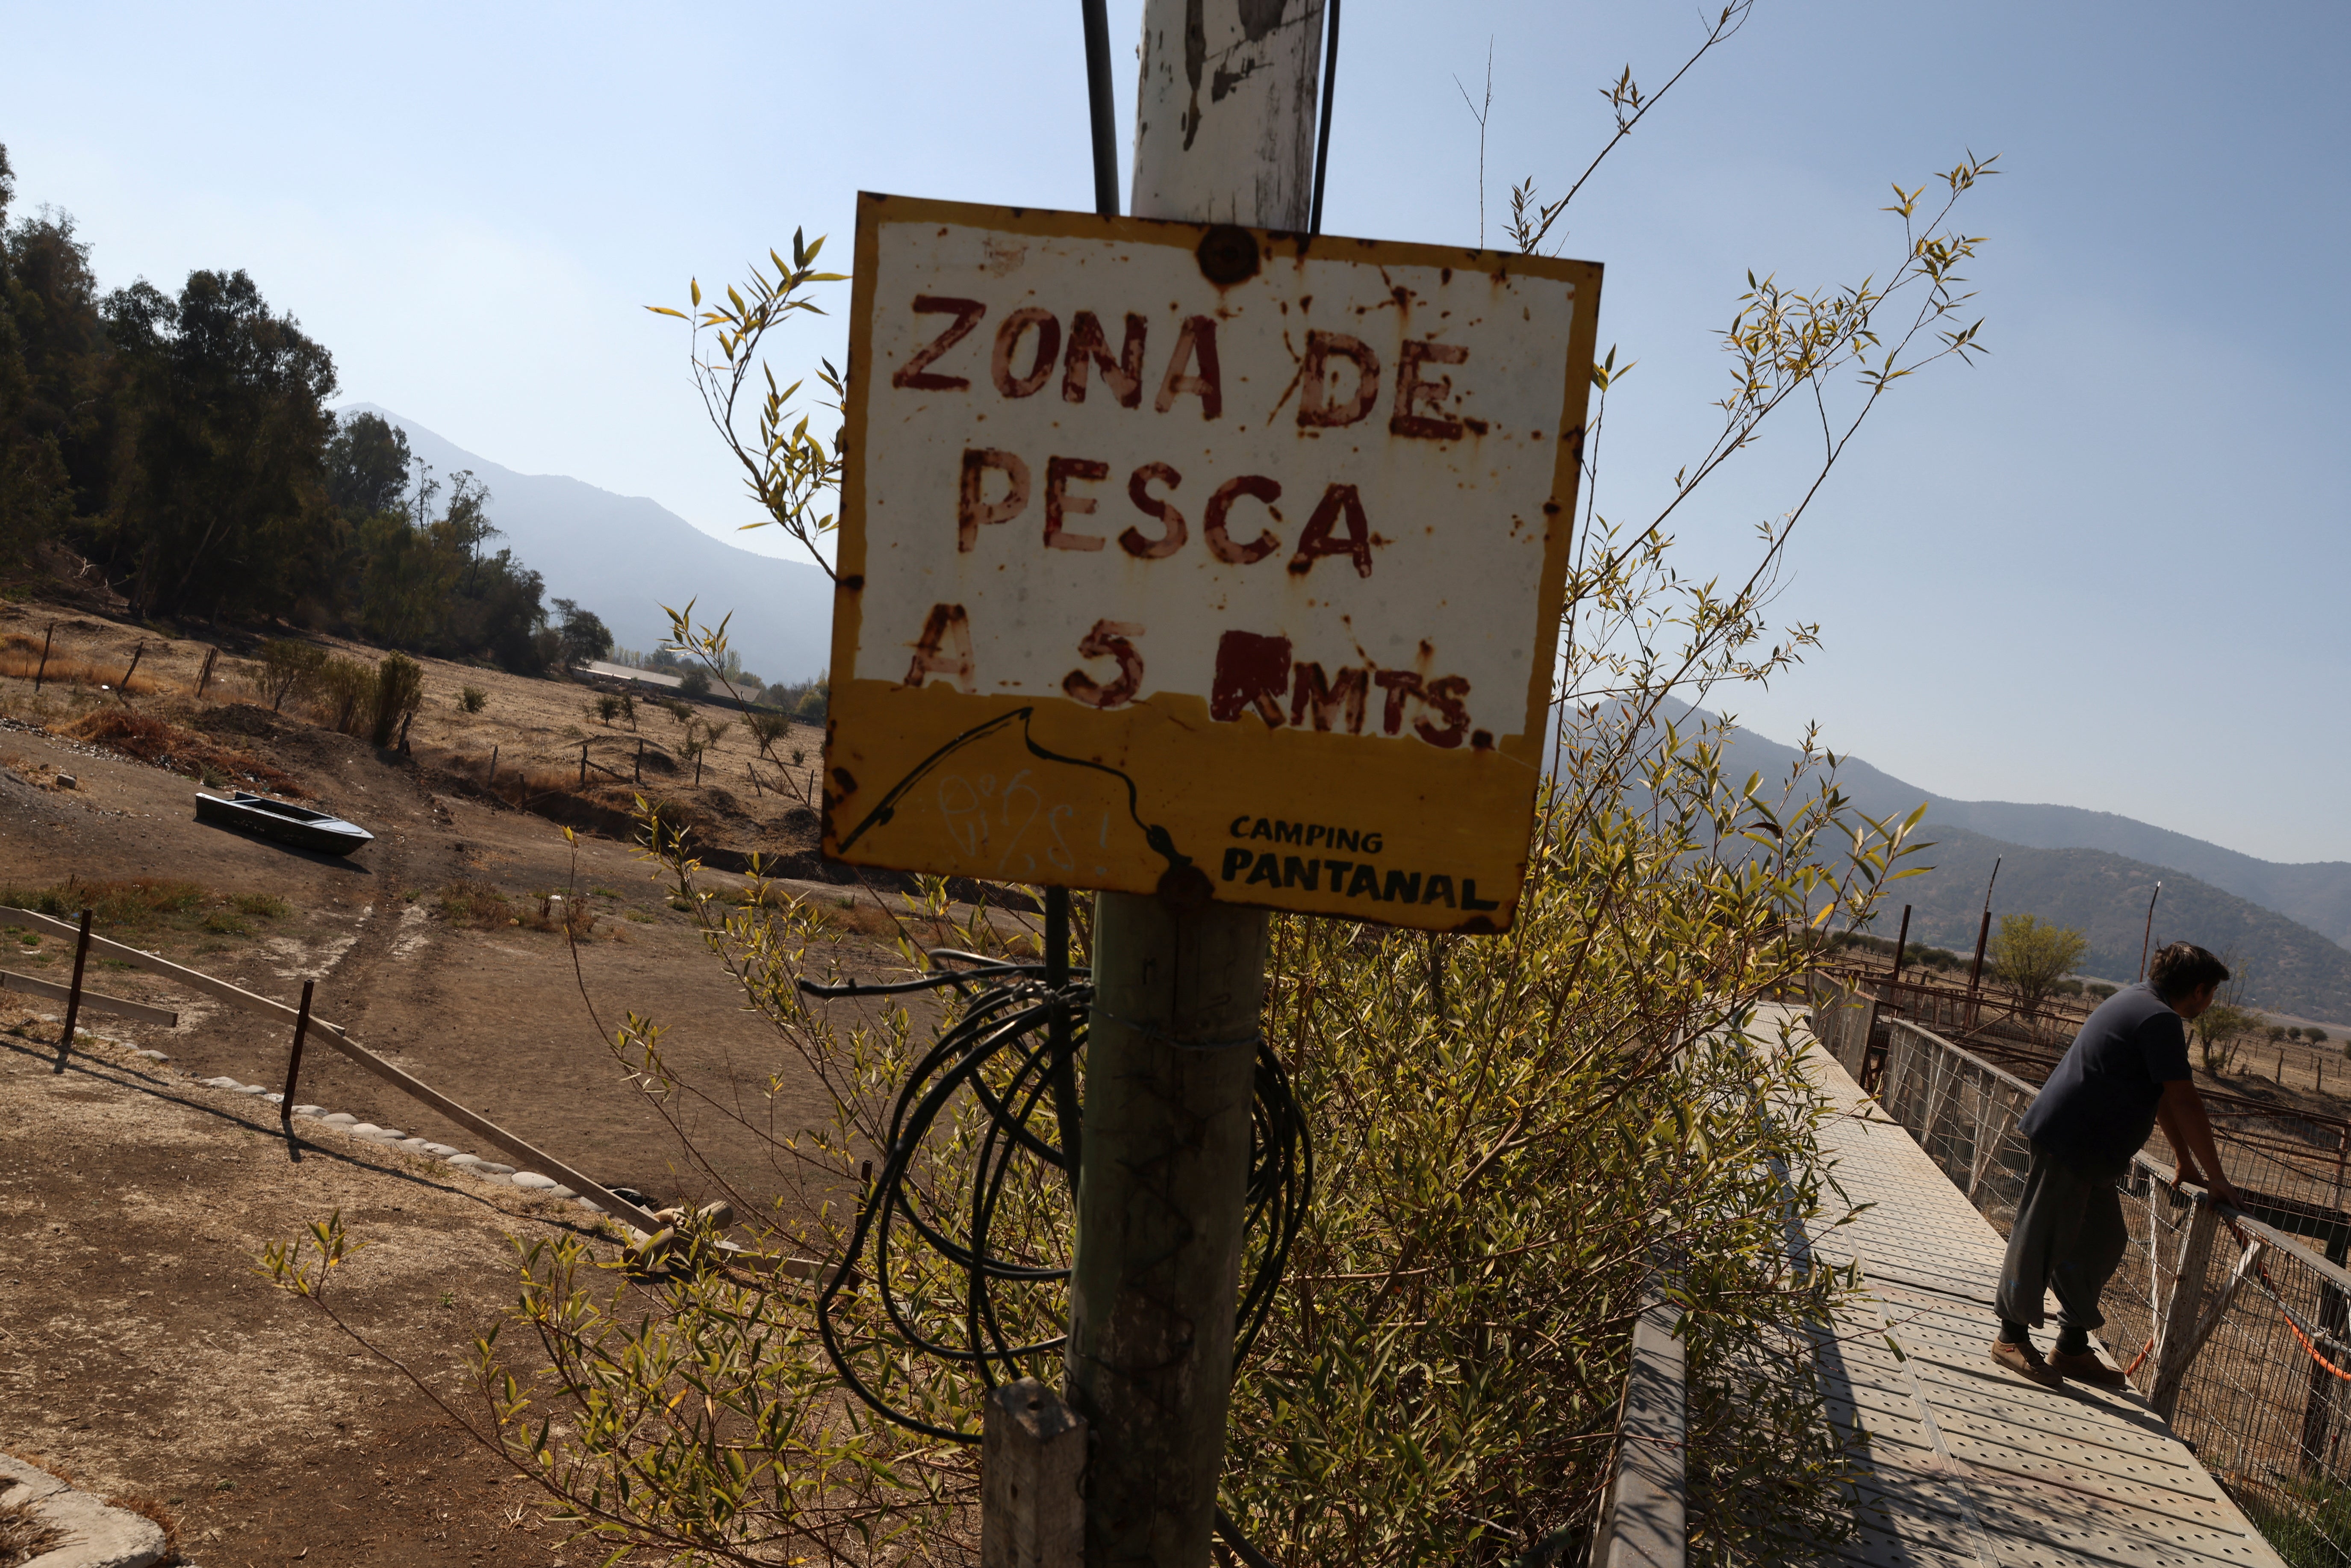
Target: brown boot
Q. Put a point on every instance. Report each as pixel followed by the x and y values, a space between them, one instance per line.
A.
pixel 2087 1368
pixel 2025 1362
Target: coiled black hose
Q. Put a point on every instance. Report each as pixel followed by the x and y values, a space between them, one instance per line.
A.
pixel 1015 1051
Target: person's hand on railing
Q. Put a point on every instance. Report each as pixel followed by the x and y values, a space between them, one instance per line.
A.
pixel 2220 1186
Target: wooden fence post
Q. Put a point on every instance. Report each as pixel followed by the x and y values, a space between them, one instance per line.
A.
pixel 122 692
pixel 294 1061
pixel 73 999
pixel 1033 1465
pixel 204 677
pixel 2179 1350
pixel 41 673
pixel 2181 1307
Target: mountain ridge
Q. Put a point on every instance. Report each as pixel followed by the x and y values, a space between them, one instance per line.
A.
pixel 625 557
pixel 2312 893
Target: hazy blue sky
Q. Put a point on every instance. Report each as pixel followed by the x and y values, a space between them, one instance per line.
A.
pixel 2105 567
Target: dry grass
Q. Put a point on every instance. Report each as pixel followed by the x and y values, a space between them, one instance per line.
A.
pixel 134 906
pixel 517 785
pixel 20 655
pixel 479 906
pixel 166 745
pixel 24 1535
pixel 153 1507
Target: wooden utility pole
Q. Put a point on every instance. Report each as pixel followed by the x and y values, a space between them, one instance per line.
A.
pixel 1983 934
pixel 2146 937
pixel 1900 943
pixel 1179 980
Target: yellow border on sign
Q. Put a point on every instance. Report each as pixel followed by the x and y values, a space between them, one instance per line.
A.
pixel 1520 753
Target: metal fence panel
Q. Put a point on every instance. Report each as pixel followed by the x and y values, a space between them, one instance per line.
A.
pixel 2231 1323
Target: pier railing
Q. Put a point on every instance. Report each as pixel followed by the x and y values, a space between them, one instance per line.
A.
pixel 2233 1323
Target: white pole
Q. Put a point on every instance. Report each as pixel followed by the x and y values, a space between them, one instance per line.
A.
pixel 1224 124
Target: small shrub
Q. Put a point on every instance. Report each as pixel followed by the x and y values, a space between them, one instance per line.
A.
pixel 556 913
pixel 2314 1036
pixel 767 728
pixel 2100 989
pixel 289 669
pixel 264 906
pixel 473 699
pixel 475 906
pixel 399 692
pixel 221 922
pixel 696 683
pixel 608 707
pixel 345 694
pixel 478 906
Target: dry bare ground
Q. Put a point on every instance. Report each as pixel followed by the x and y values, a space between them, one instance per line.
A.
pixel 137 1348
pixel 140 1353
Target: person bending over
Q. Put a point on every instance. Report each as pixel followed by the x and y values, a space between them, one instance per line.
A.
pixel 2124 1073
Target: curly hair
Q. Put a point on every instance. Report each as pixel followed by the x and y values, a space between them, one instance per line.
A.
pixel 2182 968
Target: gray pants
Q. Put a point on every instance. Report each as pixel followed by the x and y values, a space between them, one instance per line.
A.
pixel 2069 1238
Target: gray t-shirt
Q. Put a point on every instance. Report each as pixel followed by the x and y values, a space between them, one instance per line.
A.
pixel 2098 1106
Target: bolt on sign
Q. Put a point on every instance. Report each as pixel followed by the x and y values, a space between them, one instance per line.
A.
pixel 1220 562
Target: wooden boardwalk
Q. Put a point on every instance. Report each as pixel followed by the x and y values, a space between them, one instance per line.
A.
pixel 1970 1463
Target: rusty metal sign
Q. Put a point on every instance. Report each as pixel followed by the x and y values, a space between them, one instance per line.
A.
pixel 1220 562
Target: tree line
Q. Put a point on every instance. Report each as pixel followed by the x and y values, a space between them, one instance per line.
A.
pixel 181 445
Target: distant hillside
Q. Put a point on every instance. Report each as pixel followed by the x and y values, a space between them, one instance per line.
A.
pixel 2317 895
pixel 625 557
pixel 2287 966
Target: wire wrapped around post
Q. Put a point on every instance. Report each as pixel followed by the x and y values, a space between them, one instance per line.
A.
pixel 1015 1051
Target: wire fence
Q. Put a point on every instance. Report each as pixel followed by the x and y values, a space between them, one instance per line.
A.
pixel 2232 1323
pixel 2293 1155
